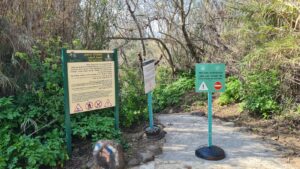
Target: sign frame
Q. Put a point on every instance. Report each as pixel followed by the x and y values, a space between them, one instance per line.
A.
pixel 207 75
pixel 210 78
pixel 149 76
pixel 65 60
pixel 148 89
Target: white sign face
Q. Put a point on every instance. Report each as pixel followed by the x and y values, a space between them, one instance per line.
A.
pixel 149 77
pixel 91 86
pixel 203 87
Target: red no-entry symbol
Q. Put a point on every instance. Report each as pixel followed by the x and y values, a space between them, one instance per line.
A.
pixel 218 85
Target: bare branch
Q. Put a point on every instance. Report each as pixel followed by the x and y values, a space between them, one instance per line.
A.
pixel 137 25
pixel 147 38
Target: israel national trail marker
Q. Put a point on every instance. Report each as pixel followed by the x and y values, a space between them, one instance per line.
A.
pixel 153 132
pixel 210 78
pixel 90 83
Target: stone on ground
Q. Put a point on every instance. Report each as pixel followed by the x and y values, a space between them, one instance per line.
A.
pixel 146 156
pixel 108 154
pixel 155 149
pixel 133 162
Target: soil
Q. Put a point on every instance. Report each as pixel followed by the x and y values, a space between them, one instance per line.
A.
pixel 137 141
pixel 82 157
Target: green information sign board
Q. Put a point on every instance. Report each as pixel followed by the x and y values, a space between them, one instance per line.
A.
pixel 210 77
pixel 90 83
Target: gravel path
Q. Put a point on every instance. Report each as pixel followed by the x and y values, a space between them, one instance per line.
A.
pixel 185 133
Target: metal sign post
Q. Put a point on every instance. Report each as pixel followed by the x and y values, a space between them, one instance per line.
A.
pixel 150 110
pixel 210 78
pixel 66 101
pixel 153 132
pixel 117 89
pixel 89 84
pixel 149 82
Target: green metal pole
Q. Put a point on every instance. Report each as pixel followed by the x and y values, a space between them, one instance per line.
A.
pixel 117 89
pixel 209 119
pixel 150 109
pixel 68 131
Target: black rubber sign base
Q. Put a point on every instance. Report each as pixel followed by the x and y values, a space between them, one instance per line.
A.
pixel 156 133
pixel 213 153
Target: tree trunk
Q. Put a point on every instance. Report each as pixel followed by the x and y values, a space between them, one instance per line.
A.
pixel 138 26
pixel 189 42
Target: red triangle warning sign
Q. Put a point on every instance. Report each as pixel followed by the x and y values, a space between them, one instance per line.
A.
pixel 78 108
pixel 203 87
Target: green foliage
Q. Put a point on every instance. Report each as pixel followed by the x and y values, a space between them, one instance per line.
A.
pixel 94 126
pixel 163 75
pixel 38 110
pixel 32 122
pixel 261 93
pixel 17 149
pixel 170 94
pixel 10 112
pixel 134 103
pixel 274 52
pixel 266 37
pixel 233 92
pixel 167 92
pixel 298 109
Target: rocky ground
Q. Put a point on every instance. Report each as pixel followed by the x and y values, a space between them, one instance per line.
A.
pixel 141 150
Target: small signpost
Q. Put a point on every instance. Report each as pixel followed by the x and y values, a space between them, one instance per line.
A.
pixel 90 83
pixel 210 78
pixel 149 83
pixel 153 132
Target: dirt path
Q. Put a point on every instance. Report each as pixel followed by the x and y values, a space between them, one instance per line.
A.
pixel 185 133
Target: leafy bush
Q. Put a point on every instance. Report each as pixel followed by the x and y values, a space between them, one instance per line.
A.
pixel 261 93
pixel 163 75
pixel 18 149
pixel 94 126
pixel 170 94
pixel 134 103
pixel 32 122
pixel 266 38
pixel 232 93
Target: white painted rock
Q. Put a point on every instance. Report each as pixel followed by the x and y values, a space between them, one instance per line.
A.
pixel 108 155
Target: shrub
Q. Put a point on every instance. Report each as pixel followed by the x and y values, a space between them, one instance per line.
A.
pixel 169 94
pixel 32 122
pixel 17 149
pixel 94 126
pixel 232 93
pixel 261 93
pixel 133 98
